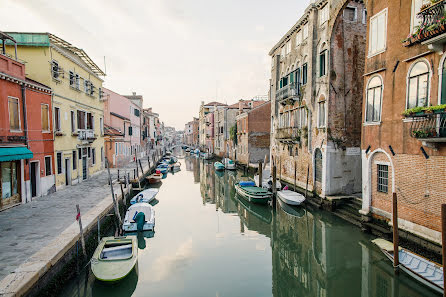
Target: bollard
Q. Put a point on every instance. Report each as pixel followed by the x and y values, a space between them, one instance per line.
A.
pixel 396 260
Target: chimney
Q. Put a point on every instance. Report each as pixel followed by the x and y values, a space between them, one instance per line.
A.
pixel 240 106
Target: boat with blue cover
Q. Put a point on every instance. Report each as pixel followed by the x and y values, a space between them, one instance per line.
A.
pixel 219 166
pixel 145 196
pixel 249 191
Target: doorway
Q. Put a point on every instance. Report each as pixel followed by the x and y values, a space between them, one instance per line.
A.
pixel 34 172
pixel 84 167
pixel 67 172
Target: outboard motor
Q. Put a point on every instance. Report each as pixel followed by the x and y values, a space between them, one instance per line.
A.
pixel 140 219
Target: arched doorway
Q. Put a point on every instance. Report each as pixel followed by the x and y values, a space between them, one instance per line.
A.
pixel 318 165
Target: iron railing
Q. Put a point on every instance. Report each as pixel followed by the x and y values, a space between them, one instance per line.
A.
pixel 289 133
pixel 290 91
pixel 86 135
pixel 432 21
pixel 429 126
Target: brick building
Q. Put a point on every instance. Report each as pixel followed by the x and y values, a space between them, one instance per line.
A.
pixel 26 134
pixel 404 126
pixel 316 95
pixel 204 110
pixel 253 134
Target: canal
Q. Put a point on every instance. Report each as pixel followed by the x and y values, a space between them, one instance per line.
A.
pixel 209 242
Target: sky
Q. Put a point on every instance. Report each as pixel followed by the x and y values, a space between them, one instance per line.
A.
pixel 176 53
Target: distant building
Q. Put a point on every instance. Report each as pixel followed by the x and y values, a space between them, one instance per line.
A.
pixel 204 110
pixel 195 132
pixel 136 121
pixel 253 134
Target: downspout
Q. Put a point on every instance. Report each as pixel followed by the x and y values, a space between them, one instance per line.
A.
pixel 25 130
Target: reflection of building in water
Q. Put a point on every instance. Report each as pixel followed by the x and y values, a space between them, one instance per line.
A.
pixel 253 216
pixel 207 183
pixel 224 190
pixel 313 256
pixel 196 168
pixel 189 164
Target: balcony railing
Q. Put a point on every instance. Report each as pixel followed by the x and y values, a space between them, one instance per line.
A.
pixel 86 135
pixel 12 138
pixel 290 91
pixel 429 127
pixel 289 134
pixel 433 23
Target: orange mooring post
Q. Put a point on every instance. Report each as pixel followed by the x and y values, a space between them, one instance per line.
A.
pixel 443 240
pixel 396 260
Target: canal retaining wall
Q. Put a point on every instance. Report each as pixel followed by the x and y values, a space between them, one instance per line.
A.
pixel 40 274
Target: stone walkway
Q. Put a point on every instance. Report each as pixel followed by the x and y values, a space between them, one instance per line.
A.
pixel 26 228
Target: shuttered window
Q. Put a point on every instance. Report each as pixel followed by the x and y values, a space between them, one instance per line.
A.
pixel 45 117
pixel 14 117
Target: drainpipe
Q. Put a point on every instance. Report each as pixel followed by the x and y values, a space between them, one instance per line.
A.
pixel 25 130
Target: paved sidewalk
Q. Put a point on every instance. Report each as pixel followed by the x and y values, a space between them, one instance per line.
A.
pixel 26 228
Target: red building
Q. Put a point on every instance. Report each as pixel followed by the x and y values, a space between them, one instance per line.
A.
pixel 26 134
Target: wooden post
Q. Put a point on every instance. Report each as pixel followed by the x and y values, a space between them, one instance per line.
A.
pixel 99 230
pixel 274 184
pixel 306 186
pixel 295 175
pixel 396 261
pixel 78 218
pixel 118 176
pixel 280 168
pixel 148 161
pixel 123 196
pixel 260 174
pixel 118 215
pixel 443 239
pixel 142 171
pixel 137 170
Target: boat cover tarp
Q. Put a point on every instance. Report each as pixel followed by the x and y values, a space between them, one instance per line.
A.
pixel 247 184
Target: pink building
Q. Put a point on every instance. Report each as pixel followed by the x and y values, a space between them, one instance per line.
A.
pixel 117 126
pixel 136 121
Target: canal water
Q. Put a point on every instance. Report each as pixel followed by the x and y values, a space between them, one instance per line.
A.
pixel 210 242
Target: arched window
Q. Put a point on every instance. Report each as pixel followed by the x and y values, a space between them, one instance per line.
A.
pixel 443 83
pixel 418 85
pixel 321 112
pixel 318 165
pixel 323 58
pixel 374 100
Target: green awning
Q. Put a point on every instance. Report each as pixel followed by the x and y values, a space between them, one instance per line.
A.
pixel 14 153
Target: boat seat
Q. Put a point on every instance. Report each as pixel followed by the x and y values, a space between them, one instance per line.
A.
pixel 117 252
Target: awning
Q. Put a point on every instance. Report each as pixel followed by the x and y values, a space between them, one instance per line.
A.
pixel 14 153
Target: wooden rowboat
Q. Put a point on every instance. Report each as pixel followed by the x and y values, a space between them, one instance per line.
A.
pixel 250 192
pixel 114 258
pixel 427 272
pixel 290 197
pixel 154 178
pixel 145 196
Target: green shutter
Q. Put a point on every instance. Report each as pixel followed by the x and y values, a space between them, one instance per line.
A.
pixel 291 77
pixel 443 86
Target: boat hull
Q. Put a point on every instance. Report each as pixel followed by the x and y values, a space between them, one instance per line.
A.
pixel 252 198
pixel 290 197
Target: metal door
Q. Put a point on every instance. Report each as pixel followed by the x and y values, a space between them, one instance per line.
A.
pixel 33 179
pixel 84 168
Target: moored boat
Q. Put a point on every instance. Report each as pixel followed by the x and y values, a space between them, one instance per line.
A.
pixel 139 217
pixel 267 180
pixel 427 272
pixel 250 192
pixel 219 166
pixel 291 197
pixel 154 178
pixel 229 164
pixel 114 258
pixel 145 196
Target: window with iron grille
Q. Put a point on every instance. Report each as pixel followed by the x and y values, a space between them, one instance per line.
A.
pixel 383 178
pixel 59 163
pixel 55 69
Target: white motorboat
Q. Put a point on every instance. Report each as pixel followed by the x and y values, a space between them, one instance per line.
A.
pixel 145 196
pixel 130 220
pixel 291 197
pixel 229 164
pixel 267 180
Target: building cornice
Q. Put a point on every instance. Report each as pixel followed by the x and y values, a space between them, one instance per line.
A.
pixel 27 84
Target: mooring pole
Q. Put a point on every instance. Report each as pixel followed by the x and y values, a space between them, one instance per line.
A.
pixel 295 175
pixel 396 260
pixel 136 163
pixel 78 218
pixel 123 196
pixel 142 171
pixel 280 168
pixel 274 184
pixel 118 176
pixel 306 186
pixel 443 240
pixel 260 174
pixel 118 215
pixel 99 230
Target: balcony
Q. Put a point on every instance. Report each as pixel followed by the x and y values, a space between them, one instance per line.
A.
pixel 289 93
pixel 86 135
pixel 429 127
pixel 288 135
pixel 432 30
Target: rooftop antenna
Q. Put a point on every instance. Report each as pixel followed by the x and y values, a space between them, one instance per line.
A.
pixel 105 67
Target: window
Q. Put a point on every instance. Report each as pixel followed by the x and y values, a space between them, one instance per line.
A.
pixel 416 7
pixel 318 165
pixel 304 74
pixel 101 93
pixel 102 155
pixel 305 31
pixel 72 79
pixel 89 121
pixel 59 163
pixel 418 85
pixel 136 112
pixel 282 52
pixel 74 160
pixel 378 33
pixel 81 116
pixel 73 122
pixel 383 178
pixel 44 115
pixel 323 63
pixel 10 179
pixel 89 152
pixel 130 130
pixel 350 14
pixel 79 153
pixel 101 126
pixel 323 15
pixel 77 81
pixel 300 117
pixel 374 99
pixel 14 113
pixel 56 119
pixel 91 89
pixel 321 111
pixel 288 48
pixel 364 16
pixel 298 38
pixel 55 70
pixel 86 86
pixel 93 155
pixel 48 166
